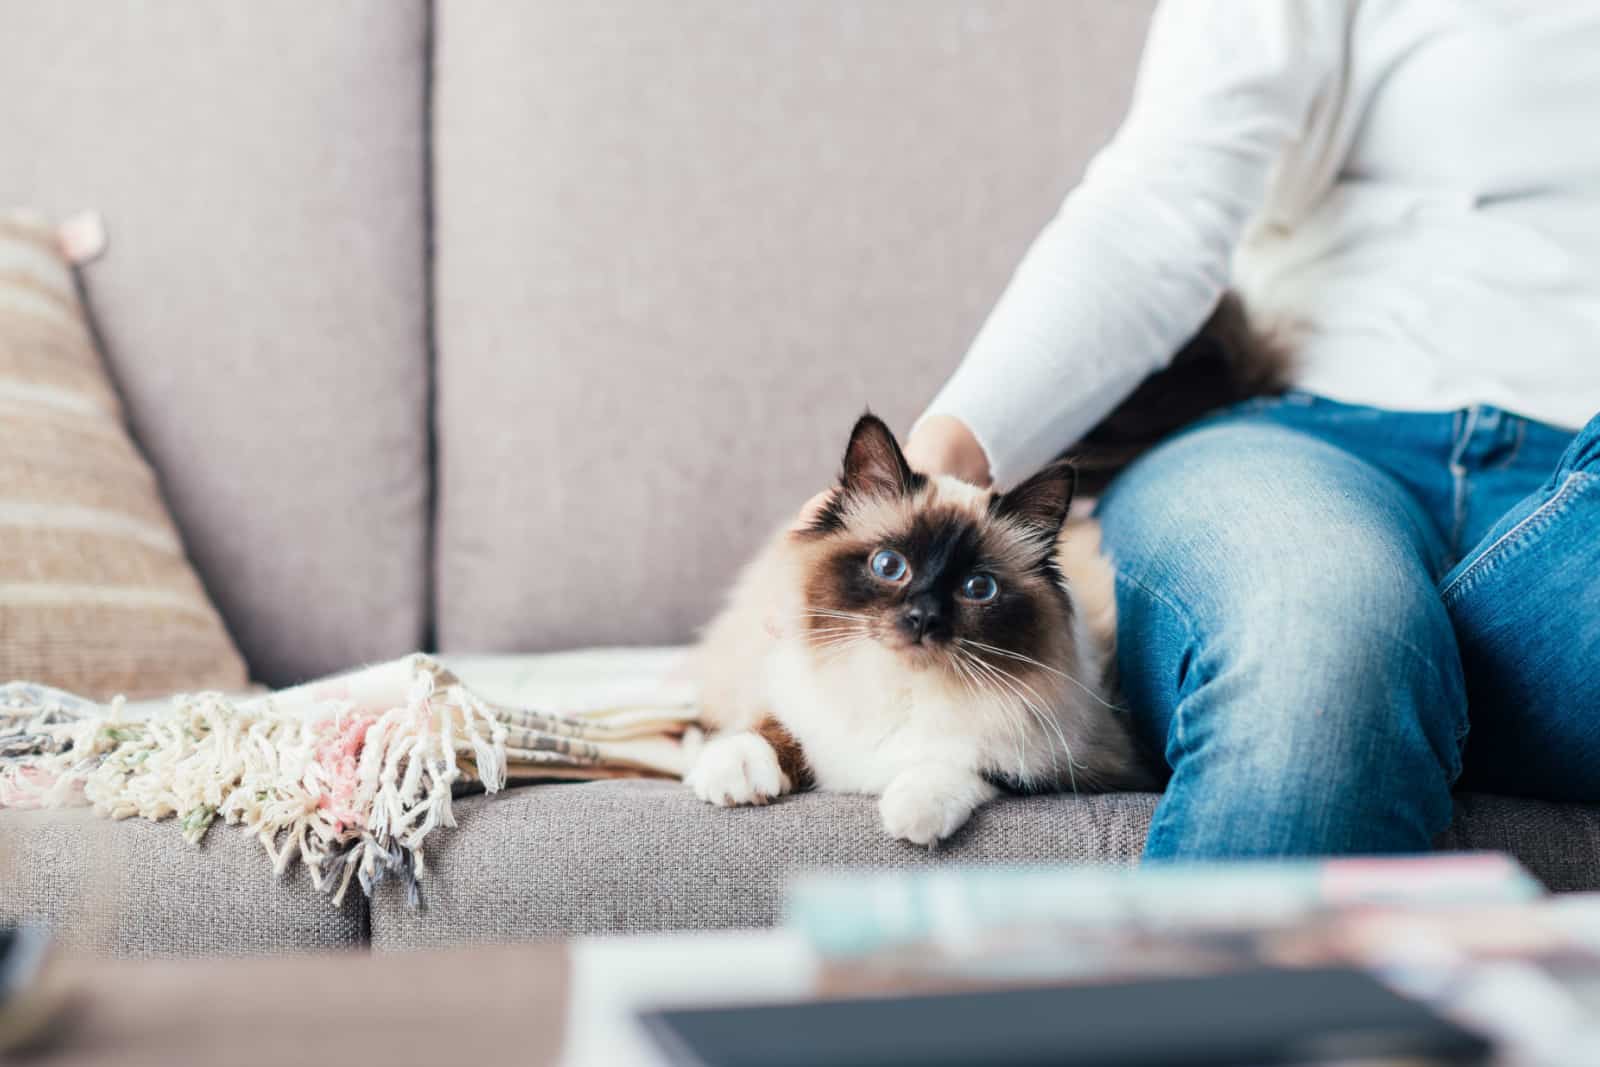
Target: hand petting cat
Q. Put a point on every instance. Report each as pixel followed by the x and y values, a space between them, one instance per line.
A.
pixel 943 444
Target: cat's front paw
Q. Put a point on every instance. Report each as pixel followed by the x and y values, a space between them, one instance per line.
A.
pixel 925 805
pixel 736 769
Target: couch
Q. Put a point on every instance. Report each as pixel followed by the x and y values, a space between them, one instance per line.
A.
pixel 513 328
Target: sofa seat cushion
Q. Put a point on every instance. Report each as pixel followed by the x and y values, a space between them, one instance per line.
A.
pixel 635 856
pixel 135 888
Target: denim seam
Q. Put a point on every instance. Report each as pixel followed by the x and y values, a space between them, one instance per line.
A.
pixel 1518 535
pixel 1516 447
pixel 1184 619
pixel 1464 426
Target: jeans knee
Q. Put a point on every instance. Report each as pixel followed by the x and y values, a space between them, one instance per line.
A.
pixel 1358 676
pixel 1279 604
pixel 1356 623
pixel 1291 553
pixel 1281 635
pixel 1250 507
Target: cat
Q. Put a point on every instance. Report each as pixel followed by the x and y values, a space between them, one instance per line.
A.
pixel 935 644
pixel 922 640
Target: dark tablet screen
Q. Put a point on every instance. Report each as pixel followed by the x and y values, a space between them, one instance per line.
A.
pixel 1251 1017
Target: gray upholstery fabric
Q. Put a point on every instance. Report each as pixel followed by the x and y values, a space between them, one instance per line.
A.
pixel 1559 843
pixel 611 857
pixel 559 861
pixel 135 888
pixel 261 171
pixel 681 246
pixel 635 856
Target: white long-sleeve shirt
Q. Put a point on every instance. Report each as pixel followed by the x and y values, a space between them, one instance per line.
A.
pixel 1409 188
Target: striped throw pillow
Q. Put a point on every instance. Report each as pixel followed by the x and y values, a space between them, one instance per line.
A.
pixel 96 595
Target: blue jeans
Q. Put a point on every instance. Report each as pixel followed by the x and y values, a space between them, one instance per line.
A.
pixel 1315 599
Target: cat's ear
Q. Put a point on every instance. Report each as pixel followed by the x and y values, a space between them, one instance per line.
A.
pixel 873 462
pixel 1042 501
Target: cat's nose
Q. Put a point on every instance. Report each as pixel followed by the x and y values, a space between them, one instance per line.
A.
pixel 922 618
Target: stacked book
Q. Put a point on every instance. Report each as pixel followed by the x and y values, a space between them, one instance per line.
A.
pixel 1473 937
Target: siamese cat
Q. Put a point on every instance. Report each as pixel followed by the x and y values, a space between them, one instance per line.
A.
pixel 922 640
pixel 935 644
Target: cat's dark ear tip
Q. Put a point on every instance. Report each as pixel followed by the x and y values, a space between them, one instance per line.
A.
pixel 1063 469
pixel 1042 500
pixel 867 422
pixel 1067 467
pixel 873 462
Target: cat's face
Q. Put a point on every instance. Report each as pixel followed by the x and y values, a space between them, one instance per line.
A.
pixel 939 572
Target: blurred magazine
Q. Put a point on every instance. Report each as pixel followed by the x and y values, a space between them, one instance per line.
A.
pixel 874 913
pixel 1474 935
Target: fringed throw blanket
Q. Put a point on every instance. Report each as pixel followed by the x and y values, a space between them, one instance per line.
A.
pixel 348 775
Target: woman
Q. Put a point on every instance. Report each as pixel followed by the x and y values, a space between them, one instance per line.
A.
pixel 1314 590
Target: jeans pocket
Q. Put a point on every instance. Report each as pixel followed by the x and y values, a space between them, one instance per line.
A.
pixel 1514 541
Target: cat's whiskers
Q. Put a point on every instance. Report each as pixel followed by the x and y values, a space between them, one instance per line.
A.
pixel 1039 705
pixel 1040 714
pixel 836 640
pixel 1006 707
pixel 1039 700
pixel 1009 654
pixel 1024 708
pixel 974 688
pixel 964 675
pixel 841 639
pixel 840 624
pixel 1051 725
pixel 824 613
pixel 836 636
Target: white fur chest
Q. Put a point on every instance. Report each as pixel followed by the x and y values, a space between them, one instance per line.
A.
pixel 862 717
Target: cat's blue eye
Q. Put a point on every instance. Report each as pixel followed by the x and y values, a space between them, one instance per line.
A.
pixel 981 588
pixel 889 565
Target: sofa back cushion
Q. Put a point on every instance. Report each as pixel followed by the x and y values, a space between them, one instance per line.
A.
pixel 681 246
pixel 261 169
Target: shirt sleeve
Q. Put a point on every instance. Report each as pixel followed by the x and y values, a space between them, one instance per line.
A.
pixel 1139 253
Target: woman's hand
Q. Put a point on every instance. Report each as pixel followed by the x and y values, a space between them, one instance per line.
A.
pixel 942 444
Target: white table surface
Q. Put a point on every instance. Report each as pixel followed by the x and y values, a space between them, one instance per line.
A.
pixel 613 978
